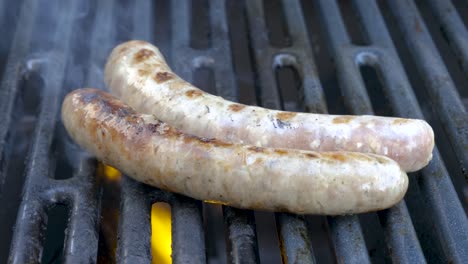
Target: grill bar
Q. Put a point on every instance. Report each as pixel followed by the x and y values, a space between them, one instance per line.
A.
pixel 40 191
pixel 348 240
pixel 111 22
pixel 134 224
pixel 217 58
pixel 440 86
pixel 405 104
pixel 187 226
pixel 292 229
pixel 101 43
pixel 453 26
pixel 405 248
pixel 9 85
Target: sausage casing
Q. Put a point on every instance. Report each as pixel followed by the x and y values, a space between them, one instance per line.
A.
pixel 137 73
pixel 243 176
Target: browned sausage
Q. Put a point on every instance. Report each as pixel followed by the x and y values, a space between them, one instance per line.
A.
pixel 242 176
pixel 137 73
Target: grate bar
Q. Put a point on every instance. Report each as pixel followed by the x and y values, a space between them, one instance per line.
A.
pixel 187 231
pixel 348 240
pixel 134 224
pixel 294 235
pixel 19 49
pixel 117 21
pixel 452 225
pixel 439 84
pixel 405 248
pixel 136 198
pixel 240 224
pixel 292 229
pixel 242 235
pixel 348 59
pixel 454 28
pixel 101 43
pixel 40 191
pixel 405 104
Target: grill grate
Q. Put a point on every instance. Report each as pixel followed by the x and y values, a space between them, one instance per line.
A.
pixel 58 50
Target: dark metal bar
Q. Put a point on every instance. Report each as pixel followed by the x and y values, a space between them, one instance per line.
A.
pixel 441 89
pixel 240 224
pixel 134 245
pixel 405 104
pixel 242 235
pixel 400 236
pixel 443 198
pixel 295 239
pixel 82 234
pixel 398 87
pixel 39 190
pixel 28 240
pixel 303 59
pixel 188 237
pixel 453 26
pixel 101 42
pixel 292 229
pixel 396 218
pixel 134 224
pixel 9 85
pixel 348 240
pixel 269 96
pixel 347 234
pixel 348 61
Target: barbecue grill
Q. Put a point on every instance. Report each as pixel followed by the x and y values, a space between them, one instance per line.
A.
pixel 401 58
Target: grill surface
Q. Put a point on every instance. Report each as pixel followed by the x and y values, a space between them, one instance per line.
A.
pixel 417 52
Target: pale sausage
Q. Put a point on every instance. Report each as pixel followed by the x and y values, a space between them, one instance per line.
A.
pixel 137 73
pixel 242 176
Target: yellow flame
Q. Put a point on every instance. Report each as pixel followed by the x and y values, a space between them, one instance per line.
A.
pixel 215 202
pixel 161 237
pixel 110 173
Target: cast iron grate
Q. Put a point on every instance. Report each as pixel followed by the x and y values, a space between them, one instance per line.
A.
pixel 51 47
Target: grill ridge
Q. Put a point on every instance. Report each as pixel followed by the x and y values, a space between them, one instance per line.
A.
pixel 111 22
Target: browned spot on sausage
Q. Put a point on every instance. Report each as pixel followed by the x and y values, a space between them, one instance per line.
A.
pixel 285 115
pixel 258 160
pixel 153 127
pixel 144 72
pixel 312 155
pixel 236 107
pixel 161 77
pixel 400 121
pixel 142 55
pixel 206 142
pixel 107 103
pixel 193 93
pixel 359 156
pixel 256 149
pixel 215 142
pixel 342 119
pixel 281 151
pixel 337 156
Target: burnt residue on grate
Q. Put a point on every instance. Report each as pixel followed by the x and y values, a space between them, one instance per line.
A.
pixel 402 58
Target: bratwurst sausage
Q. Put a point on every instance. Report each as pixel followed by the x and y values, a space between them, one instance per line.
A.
pixel 242 176
pixel 137 73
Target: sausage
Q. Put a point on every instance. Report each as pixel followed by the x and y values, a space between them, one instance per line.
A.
pixel 243 176
pixel 137 73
